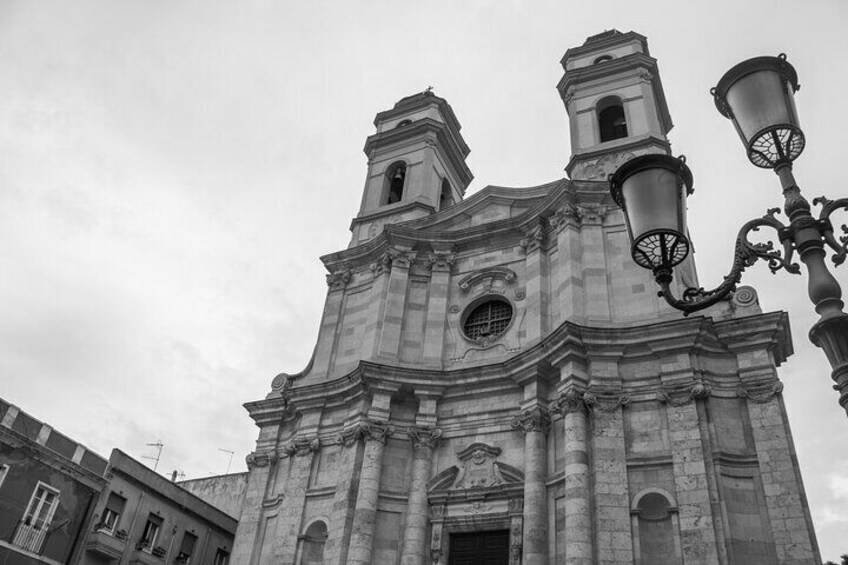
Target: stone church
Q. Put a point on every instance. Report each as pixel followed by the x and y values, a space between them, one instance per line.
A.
pixel 496 382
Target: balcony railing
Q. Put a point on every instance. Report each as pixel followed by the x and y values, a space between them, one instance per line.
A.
pixel 29 537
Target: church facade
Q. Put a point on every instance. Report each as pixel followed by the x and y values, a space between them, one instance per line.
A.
pixel 495 380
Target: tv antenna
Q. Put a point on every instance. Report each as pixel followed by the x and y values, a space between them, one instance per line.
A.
pixel 159 446
pixel 231 457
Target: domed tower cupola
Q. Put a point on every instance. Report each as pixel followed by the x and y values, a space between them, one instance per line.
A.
pixel 615 103
pixel 416 165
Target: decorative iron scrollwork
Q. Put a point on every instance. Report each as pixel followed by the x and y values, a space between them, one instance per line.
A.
pixel 746 253
pixel 840 245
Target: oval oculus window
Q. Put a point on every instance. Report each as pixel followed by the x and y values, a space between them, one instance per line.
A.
pixel 488 319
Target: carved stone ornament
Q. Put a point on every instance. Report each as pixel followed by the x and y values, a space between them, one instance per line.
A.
pixel 339 279
pixel 301 447
pixel 281 382
pixel 534 420
pixel 606 403
pixel 375 430
pixel 534 238
pixel 436 556
pixel 400 257
pixel 478 467
pixel 260 459
pixel 571 401
pixel 440 261
pixel 424 437
pixel 568 213
pixel 516 506
pixel 486 276
pixel 760 393
pixel 569 94
pixel 645 76
pixel 683 395
pixel 599 169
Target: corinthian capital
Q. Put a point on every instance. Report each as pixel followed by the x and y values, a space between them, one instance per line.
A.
pixel 571 400
pixel 260 459
pixel 376 430
pixel 535 419
pixel 424 437
pixel 440 261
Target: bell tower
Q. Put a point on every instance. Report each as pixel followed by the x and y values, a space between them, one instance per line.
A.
pixel 416 165
pixel 615 103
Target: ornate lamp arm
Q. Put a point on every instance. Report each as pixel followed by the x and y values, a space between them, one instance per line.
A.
pixel 745 254
pixel 840 246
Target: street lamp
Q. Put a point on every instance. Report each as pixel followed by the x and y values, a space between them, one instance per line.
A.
pixel 757 95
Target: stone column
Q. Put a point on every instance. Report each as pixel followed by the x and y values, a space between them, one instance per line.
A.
pixel 365 513
pixel 536 317
pixel 535 424
pixel 595 267
pixel 697 528
pixel 392 319
pixel 569 284
pixel 578 506
pixel 415 535
pixel 437 305
pixel 335 550
pixel 613 543
pixel 301 451
pixel 259 464
pixel 791 524
pixel 330 319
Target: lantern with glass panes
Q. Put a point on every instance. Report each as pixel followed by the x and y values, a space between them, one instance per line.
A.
pixel 757 95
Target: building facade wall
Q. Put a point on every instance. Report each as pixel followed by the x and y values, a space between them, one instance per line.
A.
pixel 599 426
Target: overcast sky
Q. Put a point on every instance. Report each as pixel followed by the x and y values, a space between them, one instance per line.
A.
pixel 170 172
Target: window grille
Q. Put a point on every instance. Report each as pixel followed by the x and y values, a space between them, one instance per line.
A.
pixel 489 319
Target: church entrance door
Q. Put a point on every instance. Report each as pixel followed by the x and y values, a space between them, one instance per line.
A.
pixel 479 548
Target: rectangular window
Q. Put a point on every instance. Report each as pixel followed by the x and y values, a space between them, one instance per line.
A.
pixel 151 533
pixel 33 527
pixel 222 557
pixel 187 547
pixel 112 513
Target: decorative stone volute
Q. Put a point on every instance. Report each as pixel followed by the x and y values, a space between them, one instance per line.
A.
pixel 571 401
pixel 423 438
pixel 605 402
pixel 683 395
pixel 302 446
pixel 260 459
pixel 535 419
pixel 534 237
pixel 760 393
pixel 439 260
pixel 339 279
pixel 376 430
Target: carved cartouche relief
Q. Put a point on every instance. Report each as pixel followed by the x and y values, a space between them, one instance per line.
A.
pixel 478 467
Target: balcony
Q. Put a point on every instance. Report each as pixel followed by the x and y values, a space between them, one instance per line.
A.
pixel 106 543
pixel 29 537
pixel 146 555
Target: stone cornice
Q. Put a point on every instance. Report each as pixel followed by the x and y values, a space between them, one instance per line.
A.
pixel 570 342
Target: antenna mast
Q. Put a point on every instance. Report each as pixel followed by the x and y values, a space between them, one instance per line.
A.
pixel 159 446
pixel 231 457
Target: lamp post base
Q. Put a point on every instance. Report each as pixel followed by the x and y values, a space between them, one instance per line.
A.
pixel 831 334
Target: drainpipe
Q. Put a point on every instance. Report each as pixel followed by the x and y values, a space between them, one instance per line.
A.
pixel 129 531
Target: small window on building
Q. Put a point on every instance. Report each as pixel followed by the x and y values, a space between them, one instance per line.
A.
pixel 33 528
pixel 488 319
pixel 150 535
pixel 446 196
pixel 313 544
pixel 611 120
pixel 222 557
pixel 4 470
pixel 112 513
pixel 395 180
pixel 187 548
pixel 403 123
pixel 602 59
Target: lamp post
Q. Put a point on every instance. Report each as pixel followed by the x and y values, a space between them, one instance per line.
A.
pixel 757 95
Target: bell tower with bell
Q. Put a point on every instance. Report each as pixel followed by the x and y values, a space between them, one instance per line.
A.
pixel 615 103
pixel 416 165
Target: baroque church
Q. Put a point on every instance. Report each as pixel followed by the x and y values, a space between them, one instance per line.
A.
pixel 495 380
